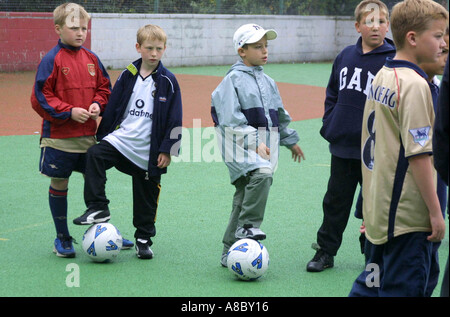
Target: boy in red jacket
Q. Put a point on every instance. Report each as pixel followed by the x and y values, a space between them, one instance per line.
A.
pixel 70 91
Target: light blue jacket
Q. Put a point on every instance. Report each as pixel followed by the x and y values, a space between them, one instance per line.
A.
pixel 247 110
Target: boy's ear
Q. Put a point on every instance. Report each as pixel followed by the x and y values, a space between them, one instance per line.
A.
pixel 357 27
pixel 411 38
pixel 58 29
pixel 241 52
pixel 138 47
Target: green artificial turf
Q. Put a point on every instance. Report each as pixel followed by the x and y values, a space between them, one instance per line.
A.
pixel 194 207
pixel 195 203
pixel 313 74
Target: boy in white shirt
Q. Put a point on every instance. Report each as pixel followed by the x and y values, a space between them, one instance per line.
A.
pixel 145 106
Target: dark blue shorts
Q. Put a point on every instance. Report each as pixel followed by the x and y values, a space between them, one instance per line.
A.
pixel 59 164
pixel 399 268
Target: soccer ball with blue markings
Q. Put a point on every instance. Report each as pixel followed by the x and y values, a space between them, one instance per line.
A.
pixel 248 259
pixel 102 242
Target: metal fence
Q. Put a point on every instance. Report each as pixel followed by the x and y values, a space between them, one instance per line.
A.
pixel 264 7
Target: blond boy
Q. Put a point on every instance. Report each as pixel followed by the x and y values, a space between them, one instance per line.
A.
pixel 400 206
pixel 136 137
pixel 71 89
pixel 350 81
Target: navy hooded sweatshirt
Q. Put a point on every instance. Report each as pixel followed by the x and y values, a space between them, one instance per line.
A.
pixel 350 81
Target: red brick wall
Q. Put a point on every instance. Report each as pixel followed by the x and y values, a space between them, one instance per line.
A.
pixel 25 37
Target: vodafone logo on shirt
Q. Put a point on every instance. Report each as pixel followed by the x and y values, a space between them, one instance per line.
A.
pixel 139 112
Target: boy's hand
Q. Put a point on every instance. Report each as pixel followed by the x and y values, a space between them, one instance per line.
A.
pixel 362 228
pixel 164 160
pixel 80 115
pixel 297 153
pixel 422 170
pixel 94 110
pixel 263 151
pixel 437 227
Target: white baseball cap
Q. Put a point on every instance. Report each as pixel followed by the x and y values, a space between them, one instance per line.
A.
pixel 251 33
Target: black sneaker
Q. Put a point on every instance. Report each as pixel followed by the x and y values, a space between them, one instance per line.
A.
pixel 143 250
pixel 320 261
pixel 92 216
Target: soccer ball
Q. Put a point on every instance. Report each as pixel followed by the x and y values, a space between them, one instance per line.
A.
pixel 248 259
pixel 102 242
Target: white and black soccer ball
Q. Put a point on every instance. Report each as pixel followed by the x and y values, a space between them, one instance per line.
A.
pixel 248 259
pixel 102 242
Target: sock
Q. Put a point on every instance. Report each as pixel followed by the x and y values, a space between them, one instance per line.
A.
pixel 58 207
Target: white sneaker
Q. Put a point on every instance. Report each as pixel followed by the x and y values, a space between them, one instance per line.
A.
pixel 223 259
pixel 250 233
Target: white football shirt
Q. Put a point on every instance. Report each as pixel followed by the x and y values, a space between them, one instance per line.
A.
pixel 132 138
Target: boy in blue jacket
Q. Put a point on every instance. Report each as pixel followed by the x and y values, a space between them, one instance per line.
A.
pixel 350 81
pixel 136 137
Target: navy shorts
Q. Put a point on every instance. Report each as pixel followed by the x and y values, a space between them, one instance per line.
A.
pixel 401 267
pixel 59 164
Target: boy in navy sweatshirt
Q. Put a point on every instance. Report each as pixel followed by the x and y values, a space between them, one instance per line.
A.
pixel 350 81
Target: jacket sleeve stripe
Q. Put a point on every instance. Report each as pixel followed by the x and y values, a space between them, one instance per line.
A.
pixel 44 107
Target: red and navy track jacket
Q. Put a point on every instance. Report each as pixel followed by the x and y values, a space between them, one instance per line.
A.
pixel 69 77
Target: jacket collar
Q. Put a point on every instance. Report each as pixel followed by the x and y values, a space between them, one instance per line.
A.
pixel 240 66
pixel 135 66
pixel 393 63
pixel 69 47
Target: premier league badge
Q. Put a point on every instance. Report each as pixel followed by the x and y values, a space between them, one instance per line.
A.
pixel 420 135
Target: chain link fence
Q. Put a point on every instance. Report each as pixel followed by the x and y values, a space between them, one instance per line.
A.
pixel 261 7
